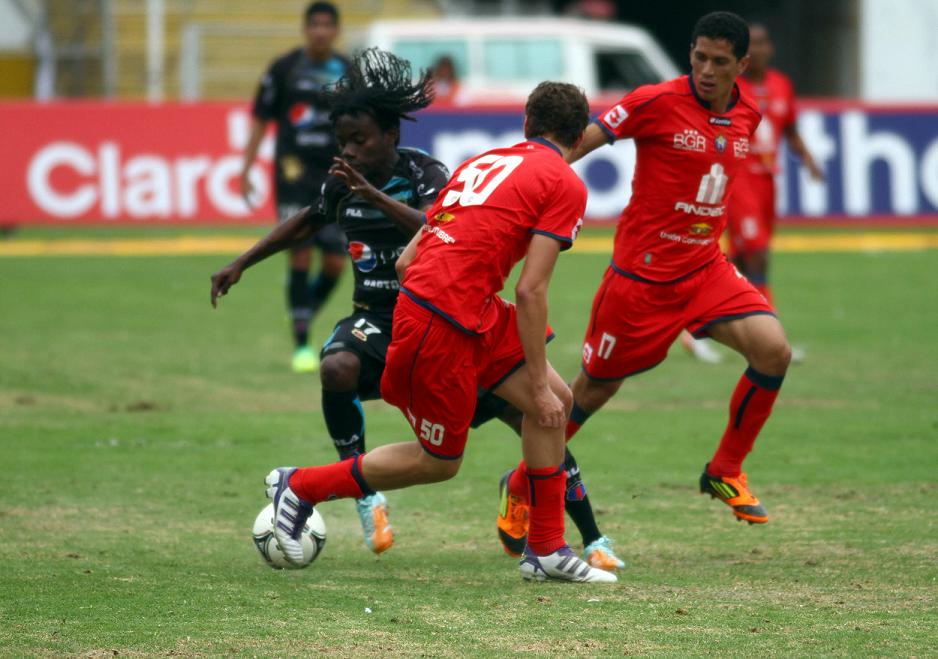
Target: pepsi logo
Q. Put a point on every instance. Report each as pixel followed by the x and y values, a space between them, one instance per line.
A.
pixel 301 114
pixel 362 256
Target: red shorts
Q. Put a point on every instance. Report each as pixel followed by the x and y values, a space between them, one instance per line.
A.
pixel 751 214
pixel 634 322
pixel 434 371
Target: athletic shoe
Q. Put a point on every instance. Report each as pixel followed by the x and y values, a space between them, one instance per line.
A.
pixel 600 555
pixel 798 354
pixel 512 519
pixel 305 360
pixel 373 513
pixel 290 513
pixel 562 565
pixel 734 492
pixel 700 349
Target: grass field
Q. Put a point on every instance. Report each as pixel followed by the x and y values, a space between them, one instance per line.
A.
pixel 136 425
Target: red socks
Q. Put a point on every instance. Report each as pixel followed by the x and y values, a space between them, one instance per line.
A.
pixel 545 534
pixel 340 480
pixel 518 481
pixel 750 407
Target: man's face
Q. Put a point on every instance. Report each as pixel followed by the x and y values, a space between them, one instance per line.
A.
pixel 364 145
pixel 320 32
pixel 760 48
pixel 714 68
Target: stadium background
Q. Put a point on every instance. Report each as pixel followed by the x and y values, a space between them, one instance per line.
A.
pixel 135 424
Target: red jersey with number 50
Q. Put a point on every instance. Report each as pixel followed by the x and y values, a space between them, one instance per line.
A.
pixel 481 226
pixel 687 157
pixel 774 95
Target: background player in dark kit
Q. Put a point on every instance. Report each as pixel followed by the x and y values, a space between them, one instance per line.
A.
pixel 292 94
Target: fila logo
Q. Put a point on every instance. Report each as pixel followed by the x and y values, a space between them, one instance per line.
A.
pixel 354 212
pixel 712 186
pixel 690 140
pixel 615 117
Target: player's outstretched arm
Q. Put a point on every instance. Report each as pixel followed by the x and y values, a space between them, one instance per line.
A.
pixel 531 300
pixel 298 228
pixel 593 138
pixel 408 219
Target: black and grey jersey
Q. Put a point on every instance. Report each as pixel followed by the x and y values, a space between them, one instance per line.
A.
pixel 292 94
pixel 374 240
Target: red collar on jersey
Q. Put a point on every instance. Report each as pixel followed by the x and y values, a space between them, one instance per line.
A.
pixel 547 143
pixel 734 97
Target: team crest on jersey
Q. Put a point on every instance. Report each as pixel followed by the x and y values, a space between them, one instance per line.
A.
pixel 362 256
pixel 701 229
pixel 292 168
pixel 720 143
pixel 690 140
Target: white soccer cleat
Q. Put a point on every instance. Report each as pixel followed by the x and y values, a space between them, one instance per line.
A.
pixel 562 565
pixel 290 514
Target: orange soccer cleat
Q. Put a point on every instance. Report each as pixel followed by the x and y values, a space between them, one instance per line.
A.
pixel 734 492
pixel 512 519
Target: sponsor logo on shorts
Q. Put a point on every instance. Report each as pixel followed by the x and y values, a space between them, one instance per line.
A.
pixel 358 334
pixel 362 256
pixel 587 353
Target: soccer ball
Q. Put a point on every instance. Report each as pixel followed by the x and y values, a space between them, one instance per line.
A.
pixel 313 539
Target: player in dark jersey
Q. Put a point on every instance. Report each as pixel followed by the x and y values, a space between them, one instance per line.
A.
pixel 453 334
pixel 376 194
pixel 292 95
pixel 692 136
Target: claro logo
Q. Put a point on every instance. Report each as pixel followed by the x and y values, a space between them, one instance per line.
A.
pixel 68 180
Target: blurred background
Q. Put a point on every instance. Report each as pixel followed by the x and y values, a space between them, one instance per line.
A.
pixel 89 87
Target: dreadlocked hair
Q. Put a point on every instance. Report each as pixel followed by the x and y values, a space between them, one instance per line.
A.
pixel 380 84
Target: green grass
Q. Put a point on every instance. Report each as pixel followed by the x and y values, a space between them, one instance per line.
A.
pixel 136 425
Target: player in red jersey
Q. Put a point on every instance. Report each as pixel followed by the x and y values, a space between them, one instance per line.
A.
pixel 752 207
pixel 453 334
pixel 668 273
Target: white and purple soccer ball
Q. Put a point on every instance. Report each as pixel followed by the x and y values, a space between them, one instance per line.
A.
pixel 313 540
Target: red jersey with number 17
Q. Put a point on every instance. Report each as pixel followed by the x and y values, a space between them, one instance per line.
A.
pixel 687 157
pixel 481 226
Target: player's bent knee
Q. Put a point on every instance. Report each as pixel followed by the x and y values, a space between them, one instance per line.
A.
pixel 339 372
pixel 435 470
pixel 773 357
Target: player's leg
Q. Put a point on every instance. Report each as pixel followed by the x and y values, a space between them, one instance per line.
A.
pixel 512 522
pixel 741 318
pixel 546 553
pixel 352 362
pixel 299 303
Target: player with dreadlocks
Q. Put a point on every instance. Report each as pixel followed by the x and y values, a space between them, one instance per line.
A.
pixel 378 215
pixel 376 193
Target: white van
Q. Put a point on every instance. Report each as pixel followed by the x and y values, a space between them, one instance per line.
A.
pixel 503 59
